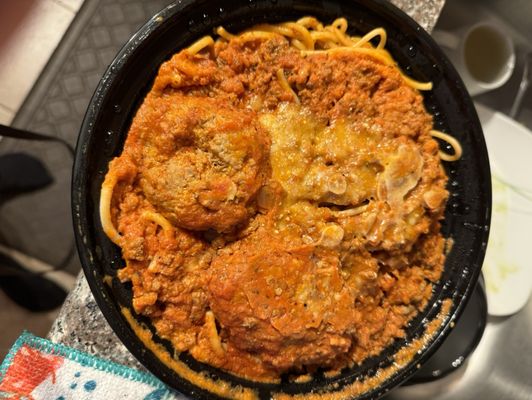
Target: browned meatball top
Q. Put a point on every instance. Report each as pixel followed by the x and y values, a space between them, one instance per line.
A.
pixel 203 161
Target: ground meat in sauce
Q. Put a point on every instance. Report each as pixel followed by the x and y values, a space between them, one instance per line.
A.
pixel 309 230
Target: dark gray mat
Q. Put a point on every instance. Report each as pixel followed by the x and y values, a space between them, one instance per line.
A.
pixel 40 224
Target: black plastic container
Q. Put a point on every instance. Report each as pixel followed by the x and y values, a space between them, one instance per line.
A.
pixel 460 343
pixel 130 77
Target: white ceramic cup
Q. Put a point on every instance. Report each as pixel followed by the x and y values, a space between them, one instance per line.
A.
pixel 483 55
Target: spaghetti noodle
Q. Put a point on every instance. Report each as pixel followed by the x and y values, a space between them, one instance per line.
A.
pixel 159 220
pixel 106 196
pixel 286 86
pixel 455 144
pixel 212 332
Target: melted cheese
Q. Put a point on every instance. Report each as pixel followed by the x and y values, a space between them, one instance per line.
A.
pixel 337 164
pixel 401 174
pixel 344 164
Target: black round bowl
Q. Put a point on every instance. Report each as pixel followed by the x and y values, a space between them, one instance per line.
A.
pixel 130 77
pixel 460 342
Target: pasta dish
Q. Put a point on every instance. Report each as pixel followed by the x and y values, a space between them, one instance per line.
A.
pixel 277 200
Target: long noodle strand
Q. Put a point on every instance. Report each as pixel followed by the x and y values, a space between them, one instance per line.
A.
pixel 285 85
pixel 455 144
pixel 159 220
pixel 201 44
pixel 106 197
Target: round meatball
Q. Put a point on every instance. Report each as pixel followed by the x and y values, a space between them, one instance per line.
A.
pixel 286 305
pixel 203 163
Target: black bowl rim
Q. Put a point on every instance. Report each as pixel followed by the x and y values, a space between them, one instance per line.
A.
pixel 475 339
pixel 80 217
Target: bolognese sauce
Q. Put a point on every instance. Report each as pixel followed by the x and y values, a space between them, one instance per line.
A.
pixel 277 207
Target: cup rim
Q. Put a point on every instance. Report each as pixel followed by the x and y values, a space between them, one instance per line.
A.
pixel 509 66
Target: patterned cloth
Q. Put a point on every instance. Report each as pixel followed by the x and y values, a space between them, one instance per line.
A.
pixel 37 369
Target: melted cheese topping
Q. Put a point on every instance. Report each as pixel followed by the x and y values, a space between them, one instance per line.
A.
pixel 344 164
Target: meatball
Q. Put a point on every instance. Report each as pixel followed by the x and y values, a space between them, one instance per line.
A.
pixel 286 305
pixel 205 162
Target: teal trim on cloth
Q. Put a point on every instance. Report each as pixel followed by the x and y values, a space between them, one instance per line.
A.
pixel 83 359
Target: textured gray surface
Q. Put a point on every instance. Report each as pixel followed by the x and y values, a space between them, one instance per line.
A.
pixel 425 12
pixel 81 325
pixel 56 106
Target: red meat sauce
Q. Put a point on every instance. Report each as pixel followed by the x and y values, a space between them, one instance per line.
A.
pixel 308 226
